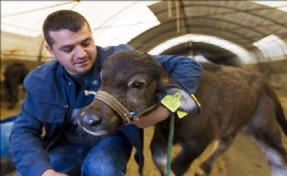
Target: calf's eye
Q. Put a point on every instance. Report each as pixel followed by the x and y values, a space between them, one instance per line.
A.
pixel 138 85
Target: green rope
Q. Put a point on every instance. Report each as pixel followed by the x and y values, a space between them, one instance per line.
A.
pixel 170 142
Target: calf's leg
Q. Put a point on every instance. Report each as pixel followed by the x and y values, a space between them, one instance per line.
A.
pixel 14 97
pixel 265 130
pixel 220 147
pixel 190 150
pixel 159 151
pixel 271 144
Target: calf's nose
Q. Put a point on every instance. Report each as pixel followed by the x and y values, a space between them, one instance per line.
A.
pixel 91 119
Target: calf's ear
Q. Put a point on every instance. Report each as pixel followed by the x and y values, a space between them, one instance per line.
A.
pixel 178 97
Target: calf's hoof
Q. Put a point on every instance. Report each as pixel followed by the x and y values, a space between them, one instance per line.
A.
pixel 200 172
pixel 203 170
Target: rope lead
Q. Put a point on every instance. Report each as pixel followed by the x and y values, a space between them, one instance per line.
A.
pixel 170 142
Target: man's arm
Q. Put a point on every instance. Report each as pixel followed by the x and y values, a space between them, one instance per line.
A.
pixel 183 70
pixel 25 142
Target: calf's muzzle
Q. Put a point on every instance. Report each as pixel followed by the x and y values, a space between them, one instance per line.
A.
pixel 92 121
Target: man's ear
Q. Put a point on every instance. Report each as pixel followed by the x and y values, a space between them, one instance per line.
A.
pixel 50 49
pixel 188 103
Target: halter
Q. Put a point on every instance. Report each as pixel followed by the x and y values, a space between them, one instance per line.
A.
pixel 118 107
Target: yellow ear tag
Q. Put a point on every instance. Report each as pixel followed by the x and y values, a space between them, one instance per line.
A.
pixel 195 99
pixel 181 114
pixel 172 102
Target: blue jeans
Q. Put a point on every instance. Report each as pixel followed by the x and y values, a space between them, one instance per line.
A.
pixel 108 157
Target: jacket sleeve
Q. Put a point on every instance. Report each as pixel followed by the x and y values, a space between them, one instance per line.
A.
pixel 25 141
pixel 183 70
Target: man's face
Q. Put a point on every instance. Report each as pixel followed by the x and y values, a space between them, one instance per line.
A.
pixel 76 51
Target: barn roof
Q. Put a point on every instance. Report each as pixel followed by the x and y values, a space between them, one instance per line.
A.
pixel 148 24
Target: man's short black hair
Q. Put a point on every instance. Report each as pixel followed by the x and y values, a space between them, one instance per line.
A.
pixel 63 19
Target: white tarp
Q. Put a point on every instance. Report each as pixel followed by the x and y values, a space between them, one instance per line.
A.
pixel 113 22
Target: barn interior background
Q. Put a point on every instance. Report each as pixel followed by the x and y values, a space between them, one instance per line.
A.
pixel 249 34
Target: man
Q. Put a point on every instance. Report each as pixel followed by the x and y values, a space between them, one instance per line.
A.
pixel 55 96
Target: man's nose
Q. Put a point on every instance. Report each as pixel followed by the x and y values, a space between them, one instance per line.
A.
pixel 81 52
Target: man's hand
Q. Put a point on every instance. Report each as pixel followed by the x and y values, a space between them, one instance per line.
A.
pixel 157 115
pixel 51 172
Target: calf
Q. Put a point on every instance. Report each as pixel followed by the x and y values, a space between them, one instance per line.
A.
pixel 14 75
pixel 232 100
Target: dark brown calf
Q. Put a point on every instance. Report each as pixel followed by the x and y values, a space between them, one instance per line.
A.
pixel 14 75
pixel 233 100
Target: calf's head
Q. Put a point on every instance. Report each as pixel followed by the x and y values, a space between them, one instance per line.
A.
pixel 138 82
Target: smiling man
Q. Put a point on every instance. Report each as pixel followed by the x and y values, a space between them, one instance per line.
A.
pixel 55 96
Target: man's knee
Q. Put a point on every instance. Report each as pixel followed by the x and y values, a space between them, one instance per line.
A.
pixel 109 157
pixel 102 167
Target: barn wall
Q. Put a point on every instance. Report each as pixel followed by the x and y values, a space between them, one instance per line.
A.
pixel 14 46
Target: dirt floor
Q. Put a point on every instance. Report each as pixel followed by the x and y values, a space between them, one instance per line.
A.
pixel 244 158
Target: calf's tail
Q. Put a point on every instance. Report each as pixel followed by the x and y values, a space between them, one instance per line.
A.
pixel 281 118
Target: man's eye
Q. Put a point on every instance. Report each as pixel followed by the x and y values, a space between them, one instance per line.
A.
pixel 86 44
pixel 138 85
pixel 67 50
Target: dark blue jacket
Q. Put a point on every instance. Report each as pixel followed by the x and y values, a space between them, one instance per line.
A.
pixel 46 106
